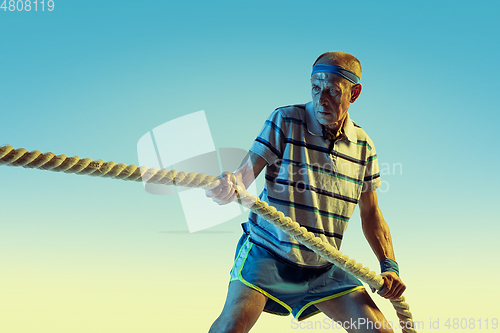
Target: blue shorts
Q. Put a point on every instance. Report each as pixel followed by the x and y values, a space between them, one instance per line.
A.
pixel 289 289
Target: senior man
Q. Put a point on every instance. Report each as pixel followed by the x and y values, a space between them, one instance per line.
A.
pixel 319 166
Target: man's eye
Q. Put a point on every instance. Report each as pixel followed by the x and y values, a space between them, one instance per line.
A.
pixel 315 88
pixel 333 91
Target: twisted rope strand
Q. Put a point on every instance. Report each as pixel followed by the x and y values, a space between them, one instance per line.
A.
pixel 62 163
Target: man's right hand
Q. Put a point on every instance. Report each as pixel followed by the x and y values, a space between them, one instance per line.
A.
pixel 249 169
pixel 225 192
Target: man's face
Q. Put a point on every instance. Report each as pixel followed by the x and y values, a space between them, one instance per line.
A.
pixel 330 99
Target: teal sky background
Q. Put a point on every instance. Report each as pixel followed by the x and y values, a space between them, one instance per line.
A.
pixel 91 77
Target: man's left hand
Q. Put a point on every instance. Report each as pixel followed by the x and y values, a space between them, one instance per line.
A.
pixel 393 286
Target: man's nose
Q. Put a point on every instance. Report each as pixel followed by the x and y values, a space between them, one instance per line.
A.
pixel 323 100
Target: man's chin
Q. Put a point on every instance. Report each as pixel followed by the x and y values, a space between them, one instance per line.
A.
pixel 327 121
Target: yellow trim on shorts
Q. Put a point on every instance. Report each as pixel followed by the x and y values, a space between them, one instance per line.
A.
pixel 239 252
pixel 308 316
pixel 240 277
pixel 276 313
pixel 325 299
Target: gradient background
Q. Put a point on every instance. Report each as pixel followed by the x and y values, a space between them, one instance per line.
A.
pixel 80 254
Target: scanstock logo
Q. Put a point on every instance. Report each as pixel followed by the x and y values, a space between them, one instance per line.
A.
pixel 186 144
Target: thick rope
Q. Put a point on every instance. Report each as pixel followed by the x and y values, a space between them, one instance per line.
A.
pixel 62 163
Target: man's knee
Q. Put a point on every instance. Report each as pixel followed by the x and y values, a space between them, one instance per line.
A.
pixel 225 324
pixel 242 309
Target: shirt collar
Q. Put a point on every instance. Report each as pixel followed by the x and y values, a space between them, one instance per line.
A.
pixel 314 127
pixel 349 130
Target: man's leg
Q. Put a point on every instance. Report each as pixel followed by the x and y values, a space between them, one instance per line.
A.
pixel 242 309
pixel 357 312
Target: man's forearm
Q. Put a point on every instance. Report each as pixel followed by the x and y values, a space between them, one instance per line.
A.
pixel 250 168
pixel 378 235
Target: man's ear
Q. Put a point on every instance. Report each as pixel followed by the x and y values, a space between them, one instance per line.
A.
pixel 355 92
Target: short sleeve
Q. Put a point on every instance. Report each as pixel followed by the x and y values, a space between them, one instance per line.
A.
pixel 371 180
pixel 270 143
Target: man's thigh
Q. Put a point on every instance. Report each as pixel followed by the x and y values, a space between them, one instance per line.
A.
pixel 356 311
pixel 241 310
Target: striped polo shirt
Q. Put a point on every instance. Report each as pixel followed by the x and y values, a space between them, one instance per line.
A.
pixel 313 180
